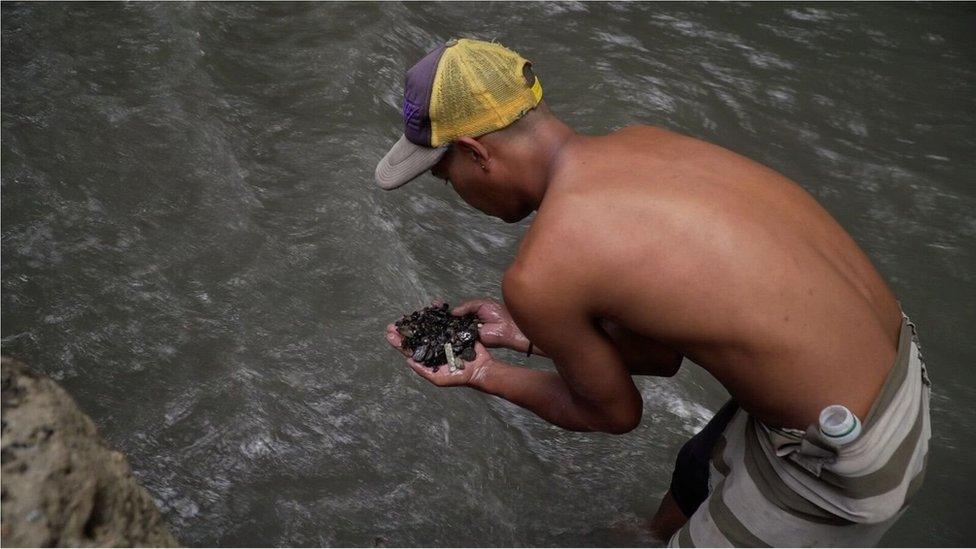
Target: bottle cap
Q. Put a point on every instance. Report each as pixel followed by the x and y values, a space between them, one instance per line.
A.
pixel 839 424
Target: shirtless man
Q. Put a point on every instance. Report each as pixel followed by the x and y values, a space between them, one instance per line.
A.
pixel 650 247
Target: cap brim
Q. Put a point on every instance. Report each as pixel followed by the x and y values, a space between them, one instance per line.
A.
pixel 404 162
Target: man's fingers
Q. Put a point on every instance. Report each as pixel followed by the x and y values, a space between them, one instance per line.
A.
pixel 491 340
pixel 490 330
pixel 470 306
pixel 394 339
pixel 492 335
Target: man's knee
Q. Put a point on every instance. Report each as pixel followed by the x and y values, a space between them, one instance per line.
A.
pixel 689 482
pixel 668 519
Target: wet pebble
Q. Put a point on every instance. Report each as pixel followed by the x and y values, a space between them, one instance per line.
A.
pixel 425 332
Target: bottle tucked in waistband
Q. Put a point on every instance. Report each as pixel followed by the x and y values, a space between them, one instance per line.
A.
pixel 839 424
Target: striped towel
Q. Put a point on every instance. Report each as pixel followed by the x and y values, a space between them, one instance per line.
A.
pixel 786 487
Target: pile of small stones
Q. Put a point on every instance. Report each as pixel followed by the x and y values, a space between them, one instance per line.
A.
pixel 435 337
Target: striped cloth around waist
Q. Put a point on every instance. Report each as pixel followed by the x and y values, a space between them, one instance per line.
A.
pixel 776 487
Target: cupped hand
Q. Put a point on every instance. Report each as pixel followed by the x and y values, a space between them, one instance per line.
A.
pixel 497 327
pixel 473 369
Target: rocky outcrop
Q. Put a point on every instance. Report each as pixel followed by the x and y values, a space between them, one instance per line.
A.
pixel 61 485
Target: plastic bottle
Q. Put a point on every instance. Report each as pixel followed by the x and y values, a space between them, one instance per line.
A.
pixel 839 424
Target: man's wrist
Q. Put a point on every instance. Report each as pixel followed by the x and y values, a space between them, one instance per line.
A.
pixel 477 379
pixel 520 343
pixel 524 345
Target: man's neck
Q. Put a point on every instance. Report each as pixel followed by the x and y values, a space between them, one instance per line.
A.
pixel 550 140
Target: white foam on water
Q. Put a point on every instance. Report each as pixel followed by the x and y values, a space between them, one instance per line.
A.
pixel 624 40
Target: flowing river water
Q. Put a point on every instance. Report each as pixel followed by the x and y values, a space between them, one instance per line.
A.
pixel 194 247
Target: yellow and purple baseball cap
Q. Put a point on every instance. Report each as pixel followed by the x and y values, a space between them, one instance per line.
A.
pixel 461 88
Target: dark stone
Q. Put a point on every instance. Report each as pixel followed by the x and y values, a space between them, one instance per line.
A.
pixel 425 332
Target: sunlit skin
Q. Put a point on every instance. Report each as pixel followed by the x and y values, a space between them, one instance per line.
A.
pixel 650 246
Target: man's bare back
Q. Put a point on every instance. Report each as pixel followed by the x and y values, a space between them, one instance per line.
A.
pixel 705 253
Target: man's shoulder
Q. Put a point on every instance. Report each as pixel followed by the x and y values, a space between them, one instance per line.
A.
pixel 628 150
pixel 563 225
pixel 641 130
pixel 657 142
pixel 558 255
pixel 550 243
pixel 643 133
pixel 599 144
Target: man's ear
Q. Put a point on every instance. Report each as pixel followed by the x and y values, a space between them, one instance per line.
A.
pixel 474 149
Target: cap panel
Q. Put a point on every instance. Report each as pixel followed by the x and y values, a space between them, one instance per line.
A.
pixel 416 98
pixel 479 87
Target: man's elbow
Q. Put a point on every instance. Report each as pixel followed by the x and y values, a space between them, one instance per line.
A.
pixel 624 421
pixel 620 426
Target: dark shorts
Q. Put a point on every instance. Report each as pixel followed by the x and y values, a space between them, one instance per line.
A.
pixel 689 483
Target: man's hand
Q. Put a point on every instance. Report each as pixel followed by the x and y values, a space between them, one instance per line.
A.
pixel 473 370
pixel 497 327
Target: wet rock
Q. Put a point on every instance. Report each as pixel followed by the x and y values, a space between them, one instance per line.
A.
pixel 425 332
pixel 420 353
pixel 61 485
